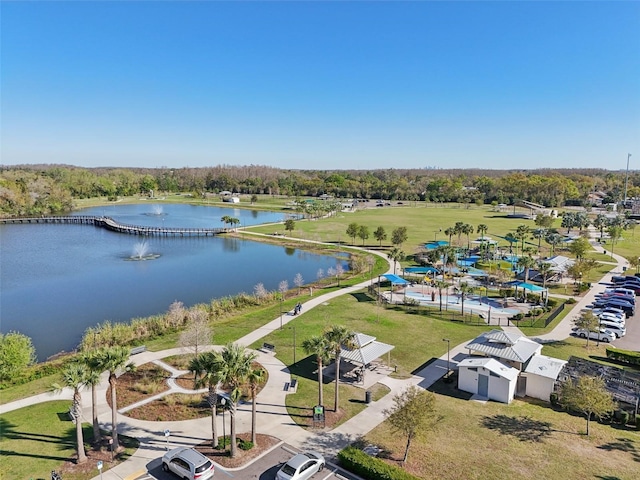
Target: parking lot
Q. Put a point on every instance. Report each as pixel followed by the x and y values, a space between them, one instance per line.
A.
pixel 264 468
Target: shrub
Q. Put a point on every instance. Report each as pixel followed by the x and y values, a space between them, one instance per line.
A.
pixel 552 302
pixel 624 356
pixel 553 398
pixel 370 468
pixel 624 417
pixel 570 301
pixel 638 422
pixel 245 445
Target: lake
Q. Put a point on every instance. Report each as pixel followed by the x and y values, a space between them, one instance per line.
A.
pixel 57 280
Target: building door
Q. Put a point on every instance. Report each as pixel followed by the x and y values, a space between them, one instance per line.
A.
pixel 483 385
pixel 521 386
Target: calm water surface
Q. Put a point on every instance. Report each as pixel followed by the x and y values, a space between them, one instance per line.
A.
pixel 56 280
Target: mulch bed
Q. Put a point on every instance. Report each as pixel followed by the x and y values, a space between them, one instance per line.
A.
pixel 221 457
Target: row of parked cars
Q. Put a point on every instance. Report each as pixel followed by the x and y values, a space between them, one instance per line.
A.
pixel 189 464
pixel 613 307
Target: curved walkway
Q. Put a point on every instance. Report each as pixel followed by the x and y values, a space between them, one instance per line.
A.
pixel 273 416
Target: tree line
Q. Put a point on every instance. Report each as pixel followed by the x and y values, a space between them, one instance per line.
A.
pixel 43 189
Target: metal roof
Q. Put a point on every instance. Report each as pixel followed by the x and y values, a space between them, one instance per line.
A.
pixel 369 349
pixel 492 365
pixel 545 366
pixel 520 350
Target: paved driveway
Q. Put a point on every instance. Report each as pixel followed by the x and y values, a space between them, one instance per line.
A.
pixel 631 341
pixel 264 468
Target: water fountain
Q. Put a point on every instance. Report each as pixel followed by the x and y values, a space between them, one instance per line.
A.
pixel 141 252
pixel 156 211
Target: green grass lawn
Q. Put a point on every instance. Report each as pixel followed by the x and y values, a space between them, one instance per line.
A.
pixel 524 440
pixel 37 439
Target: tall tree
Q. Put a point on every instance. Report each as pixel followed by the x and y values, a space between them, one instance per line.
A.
pixel 396 255
pixel 526 262
pixel 521 234
pixel 441 285
pixel 587 321
pixel 93 375
pixel 468 229
pixel 197 332
pixel 545 269
pixel 363 233
pixel 615 233
pixel 318 346
pixel 413 414
pixel 399 236
pixel 600 222
pixel 579 247
pixel 380 234
pixel 236 367
pixel 114 360
pixel 352 231
pixel 482 229
pixel 289 225
pixel 207 368
pixel 74 376
pixel 587 395
pixel 337 337
pixel 464 290
pixel 255 378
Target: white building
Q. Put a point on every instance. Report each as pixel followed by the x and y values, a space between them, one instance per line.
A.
pixel 487 378
pixel 541 375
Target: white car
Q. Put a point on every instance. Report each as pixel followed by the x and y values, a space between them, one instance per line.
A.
pixel 607 317
pixel 615 328
pixel 187 464
pixel 301 466
pixel 604 335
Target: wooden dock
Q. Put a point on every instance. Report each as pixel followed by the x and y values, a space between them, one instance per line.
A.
pixel 110 224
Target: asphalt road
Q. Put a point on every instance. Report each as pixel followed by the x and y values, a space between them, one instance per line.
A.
pixel 264 468
pixel 631 341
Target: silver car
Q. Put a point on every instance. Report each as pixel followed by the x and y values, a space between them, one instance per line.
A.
pixel 301 466
pixel 188 464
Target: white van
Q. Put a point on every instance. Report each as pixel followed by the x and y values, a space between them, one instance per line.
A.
pixel 616 328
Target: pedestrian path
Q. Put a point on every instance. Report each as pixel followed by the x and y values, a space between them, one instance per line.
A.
pixel 273 416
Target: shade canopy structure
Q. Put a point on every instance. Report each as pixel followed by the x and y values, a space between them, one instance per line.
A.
pixel 366 351
pixel 395 279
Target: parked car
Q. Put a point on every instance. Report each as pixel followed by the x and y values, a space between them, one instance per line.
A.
pixel 615 328
pixel 612 318
pixel 301 466
pixel 188 464
pixel 606 336
pixel 634 287
pixel 618 312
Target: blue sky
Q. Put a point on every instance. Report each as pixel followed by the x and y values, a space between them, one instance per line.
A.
pixel 321 85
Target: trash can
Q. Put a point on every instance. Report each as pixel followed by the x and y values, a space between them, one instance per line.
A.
pixel 367 396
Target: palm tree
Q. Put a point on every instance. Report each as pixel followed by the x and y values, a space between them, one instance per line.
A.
pixel 545 269
pixel 465 289
pixel 234 221
pixel 226 219
pixel 449 231
pixel 554 239
pixel 236 367
pixel 318 346
pixel 396 255
pixel 526 262
pixel 467 229
pixel 482 229
pixel 255 378
pixel 74 376
pixel 521 234
pixel 207 369
pixel 115 361
pixel 510 237
pixel 337 336
pixel 94 372
pixel 539 233
pixel 440 285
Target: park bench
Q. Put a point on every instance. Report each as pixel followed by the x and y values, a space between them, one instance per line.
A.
pixel 268 347
pixel 140 349
pixel 293 384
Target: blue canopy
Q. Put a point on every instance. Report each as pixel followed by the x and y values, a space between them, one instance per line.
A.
pixel 395 279
pixel 436 244
pixel 421 270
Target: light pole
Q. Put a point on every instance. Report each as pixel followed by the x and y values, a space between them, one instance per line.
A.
pixel 448 359
pixel 435 234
